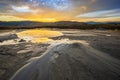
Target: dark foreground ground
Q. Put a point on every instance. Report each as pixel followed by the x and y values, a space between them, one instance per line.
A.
pixel 73 61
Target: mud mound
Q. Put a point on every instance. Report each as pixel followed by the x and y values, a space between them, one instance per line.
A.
pixel 70 61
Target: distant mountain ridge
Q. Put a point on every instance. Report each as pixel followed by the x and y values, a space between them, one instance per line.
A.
pixel 33 23
pixel 60 24
pixel 18 23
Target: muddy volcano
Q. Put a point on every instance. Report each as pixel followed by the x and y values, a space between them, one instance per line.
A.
pixel 70 61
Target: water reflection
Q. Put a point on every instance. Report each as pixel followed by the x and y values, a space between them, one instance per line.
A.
pixel 38 36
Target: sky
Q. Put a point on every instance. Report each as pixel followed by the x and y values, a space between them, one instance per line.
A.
pixel 60 10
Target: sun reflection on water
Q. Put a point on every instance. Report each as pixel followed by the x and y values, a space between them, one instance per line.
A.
pixel 38 36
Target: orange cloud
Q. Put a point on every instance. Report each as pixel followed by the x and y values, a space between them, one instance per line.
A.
pixel 93 1
pixel 84 8
pixel 11 18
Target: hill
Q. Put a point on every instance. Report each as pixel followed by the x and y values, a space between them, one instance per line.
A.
pixel 61 24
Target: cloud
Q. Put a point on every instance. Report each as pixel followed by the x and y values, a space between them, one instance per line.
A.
pixel 11 18
pixel 93 1
pixel 48 10
pixel 23 9
pixel 101 14
pixel 84 8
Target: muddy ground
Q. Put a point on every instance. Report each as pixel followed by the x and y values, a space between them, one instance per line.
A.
pixel 14 56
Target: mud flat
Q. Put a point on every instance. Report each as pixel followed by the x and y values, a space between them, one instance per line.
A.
pixel 76 55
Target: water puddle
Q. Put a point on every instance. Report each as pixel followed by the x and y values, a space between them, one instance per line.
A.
pixel 38 36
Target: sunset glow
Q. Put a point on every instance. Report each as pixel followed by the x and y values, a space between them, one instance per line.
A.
pixel 60 10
